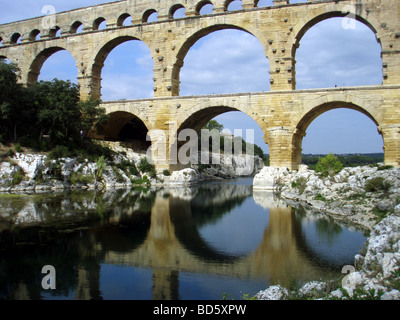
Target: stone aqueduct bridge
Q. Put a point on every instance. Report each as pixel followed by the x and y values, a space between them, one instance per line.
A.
pixel 283 114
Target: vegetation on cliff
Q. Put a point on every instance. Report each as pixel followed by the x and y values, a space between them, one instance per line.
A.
pixel 47 116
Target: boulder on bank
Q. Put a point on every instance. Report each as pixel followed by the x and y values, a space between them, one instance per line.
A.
pixel 184 177
pixel 269 178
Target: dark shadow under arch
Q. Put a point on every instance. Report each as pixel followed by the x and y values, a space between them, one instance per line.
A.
pixel 126 127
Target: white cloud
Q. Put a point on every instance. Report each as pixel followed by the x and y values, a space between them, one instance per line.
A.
pixel 122 86
pixel 226 61
pixel 330 55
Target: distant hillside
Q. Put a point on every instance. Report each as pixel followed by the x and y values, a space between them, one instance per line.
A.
pixel 348 160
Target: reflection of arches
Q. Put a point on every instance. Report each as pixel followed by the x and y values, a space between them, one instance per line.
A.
pixel 330 258
pixel 38 62
pixel 315 112
pixel 100 58
pixel 186 216
pixel 324 18
pixel 125 126
pixel 190 41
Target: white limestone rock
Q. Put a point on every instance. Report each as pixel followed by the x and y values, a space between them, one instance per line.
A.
pixel 269 178
pixel 184 177
pixel 272 293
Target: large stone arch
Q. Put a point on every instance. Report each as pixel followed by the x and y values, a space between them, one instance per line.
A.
pixel 188 42
pixel 321 106
pixel 312 21
pixel 196 117
pixel 40 59
pixel 96 62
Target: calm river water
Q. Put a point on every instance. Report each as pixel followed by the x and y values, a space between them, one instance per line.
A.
pixel 212 241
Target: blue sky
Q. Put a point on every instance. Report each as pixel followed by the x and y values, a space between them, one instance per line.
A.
pixel 232 61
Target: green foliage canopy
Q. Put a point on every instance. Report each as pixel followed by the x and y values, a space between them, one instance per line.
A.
pixel 329 165
pixel 50 108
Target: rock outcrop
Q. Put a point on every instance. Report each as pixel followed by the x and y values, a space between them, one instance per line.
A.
pixel 356 195
pixel 363 196
pixel 38 173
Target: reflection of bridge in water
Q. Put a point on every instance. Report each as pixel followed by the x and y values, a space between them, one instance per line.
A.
pixel 173 244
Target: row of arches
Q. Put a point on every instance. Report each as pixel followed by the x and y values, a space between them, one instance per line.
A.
pixel 336 127
pixel 176 11
pixel 230 60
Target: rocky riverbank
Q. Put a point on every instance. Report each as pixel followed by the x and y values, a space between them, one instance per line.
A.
pixel 22 172
pixel 365 196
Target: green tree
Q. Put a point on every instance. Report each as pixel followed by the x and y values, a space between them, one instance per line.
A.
pixel 92 115
pixel 329 165
pixel 58 110
pixel 11 94
pixel 214 124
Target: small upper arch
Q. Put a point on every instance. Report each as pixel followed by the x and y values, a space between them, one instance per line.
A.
pixel 16 38
pixel 76 27
pixel 55 32
pixel 150 15
pixel 232 5
pixel 124 19
pixel 204 6
pixel 99 24
pixel 34 35
pixel 175 10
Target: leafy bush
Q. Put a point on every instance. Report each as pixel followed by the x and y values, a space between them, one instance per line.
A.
pixel 59 152
pixel 18 177
pixel 128 167
pixel 320 197
pixel 145 166
pixel 100 166
pixel 329 165
pixel 78 177
pixel 377 184
pixel 300 184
